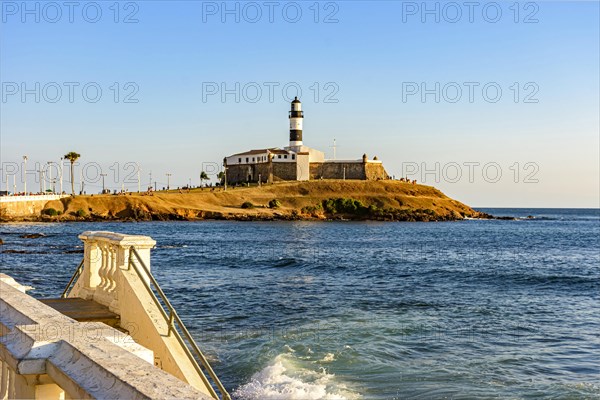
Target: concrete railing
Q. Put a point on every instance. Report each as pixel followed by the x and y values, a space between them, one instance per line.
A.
pixel 47 355
pixel 37 197
pixel 108 278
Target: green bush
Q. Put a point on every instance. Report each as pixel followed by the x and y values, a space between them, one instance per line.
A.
pixel 344 206
pixel 81 213
pixel 50 211
pixel 274 203
pixel 247 204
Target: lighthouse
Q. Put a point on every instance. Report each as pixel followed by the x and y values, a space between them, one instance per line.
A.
pixel 296 117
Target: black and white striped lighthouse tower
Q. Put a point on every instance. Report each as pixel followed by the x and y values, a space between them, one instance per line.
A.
pixel 296 117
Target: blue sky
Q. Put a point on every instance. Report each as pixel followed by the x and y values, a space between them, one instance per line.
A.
pixel 541 134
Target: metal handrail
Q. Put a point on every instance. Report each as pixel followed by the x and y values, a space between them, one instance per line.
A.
pixel 73 278
pixel 172 318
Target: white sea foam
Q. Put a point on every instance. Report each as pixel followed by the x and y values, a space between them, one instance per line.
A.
pixel 329 357
pixel 289 349
pixel 283 379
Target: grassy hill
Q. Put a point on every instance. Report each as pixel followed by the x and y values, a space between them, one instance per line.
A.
pixel 327 199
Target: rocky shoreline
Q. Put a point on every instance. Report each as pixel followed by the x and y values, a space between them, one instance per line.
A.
pixel 418 215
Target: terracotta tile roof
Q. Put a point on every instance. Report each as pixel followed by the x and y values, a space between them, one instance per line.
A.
pixel 251 152
pixel 273 150
pixel 279 151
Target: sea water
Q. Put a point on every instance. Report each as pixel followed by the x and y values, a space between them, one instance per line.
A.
pixel 348 310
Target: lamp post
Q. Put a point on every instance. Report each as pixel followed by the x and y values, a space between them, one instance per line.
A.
pixel 25 174
pixel 50 175
pixel 168 181
pixel 103 175
pixel 39 171
pixel 334 148
pixel 81 182
pixel 61 174
pixel 138 176
pixel 14 184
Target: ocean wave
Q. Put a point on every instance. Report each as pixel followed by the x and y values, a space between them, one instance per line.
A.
pixel 285 262
pixel 285 379
pixel 534 218
pixel 553 281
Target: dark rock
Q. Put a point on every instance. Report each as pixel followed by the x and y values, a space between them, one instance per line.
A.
pixel 32 235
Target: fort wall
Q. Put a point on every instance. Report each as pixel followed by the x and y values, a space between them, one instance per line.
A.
pixel 291 171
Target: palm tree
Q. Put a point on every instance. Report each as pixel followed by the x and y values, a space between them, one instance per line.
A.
pixel 72 157
pixel 203 176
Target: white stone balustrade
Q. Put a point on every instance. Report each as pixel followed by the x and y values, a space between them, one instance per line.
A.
pixel 106 254
pixel 108 279
pixel 46 355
